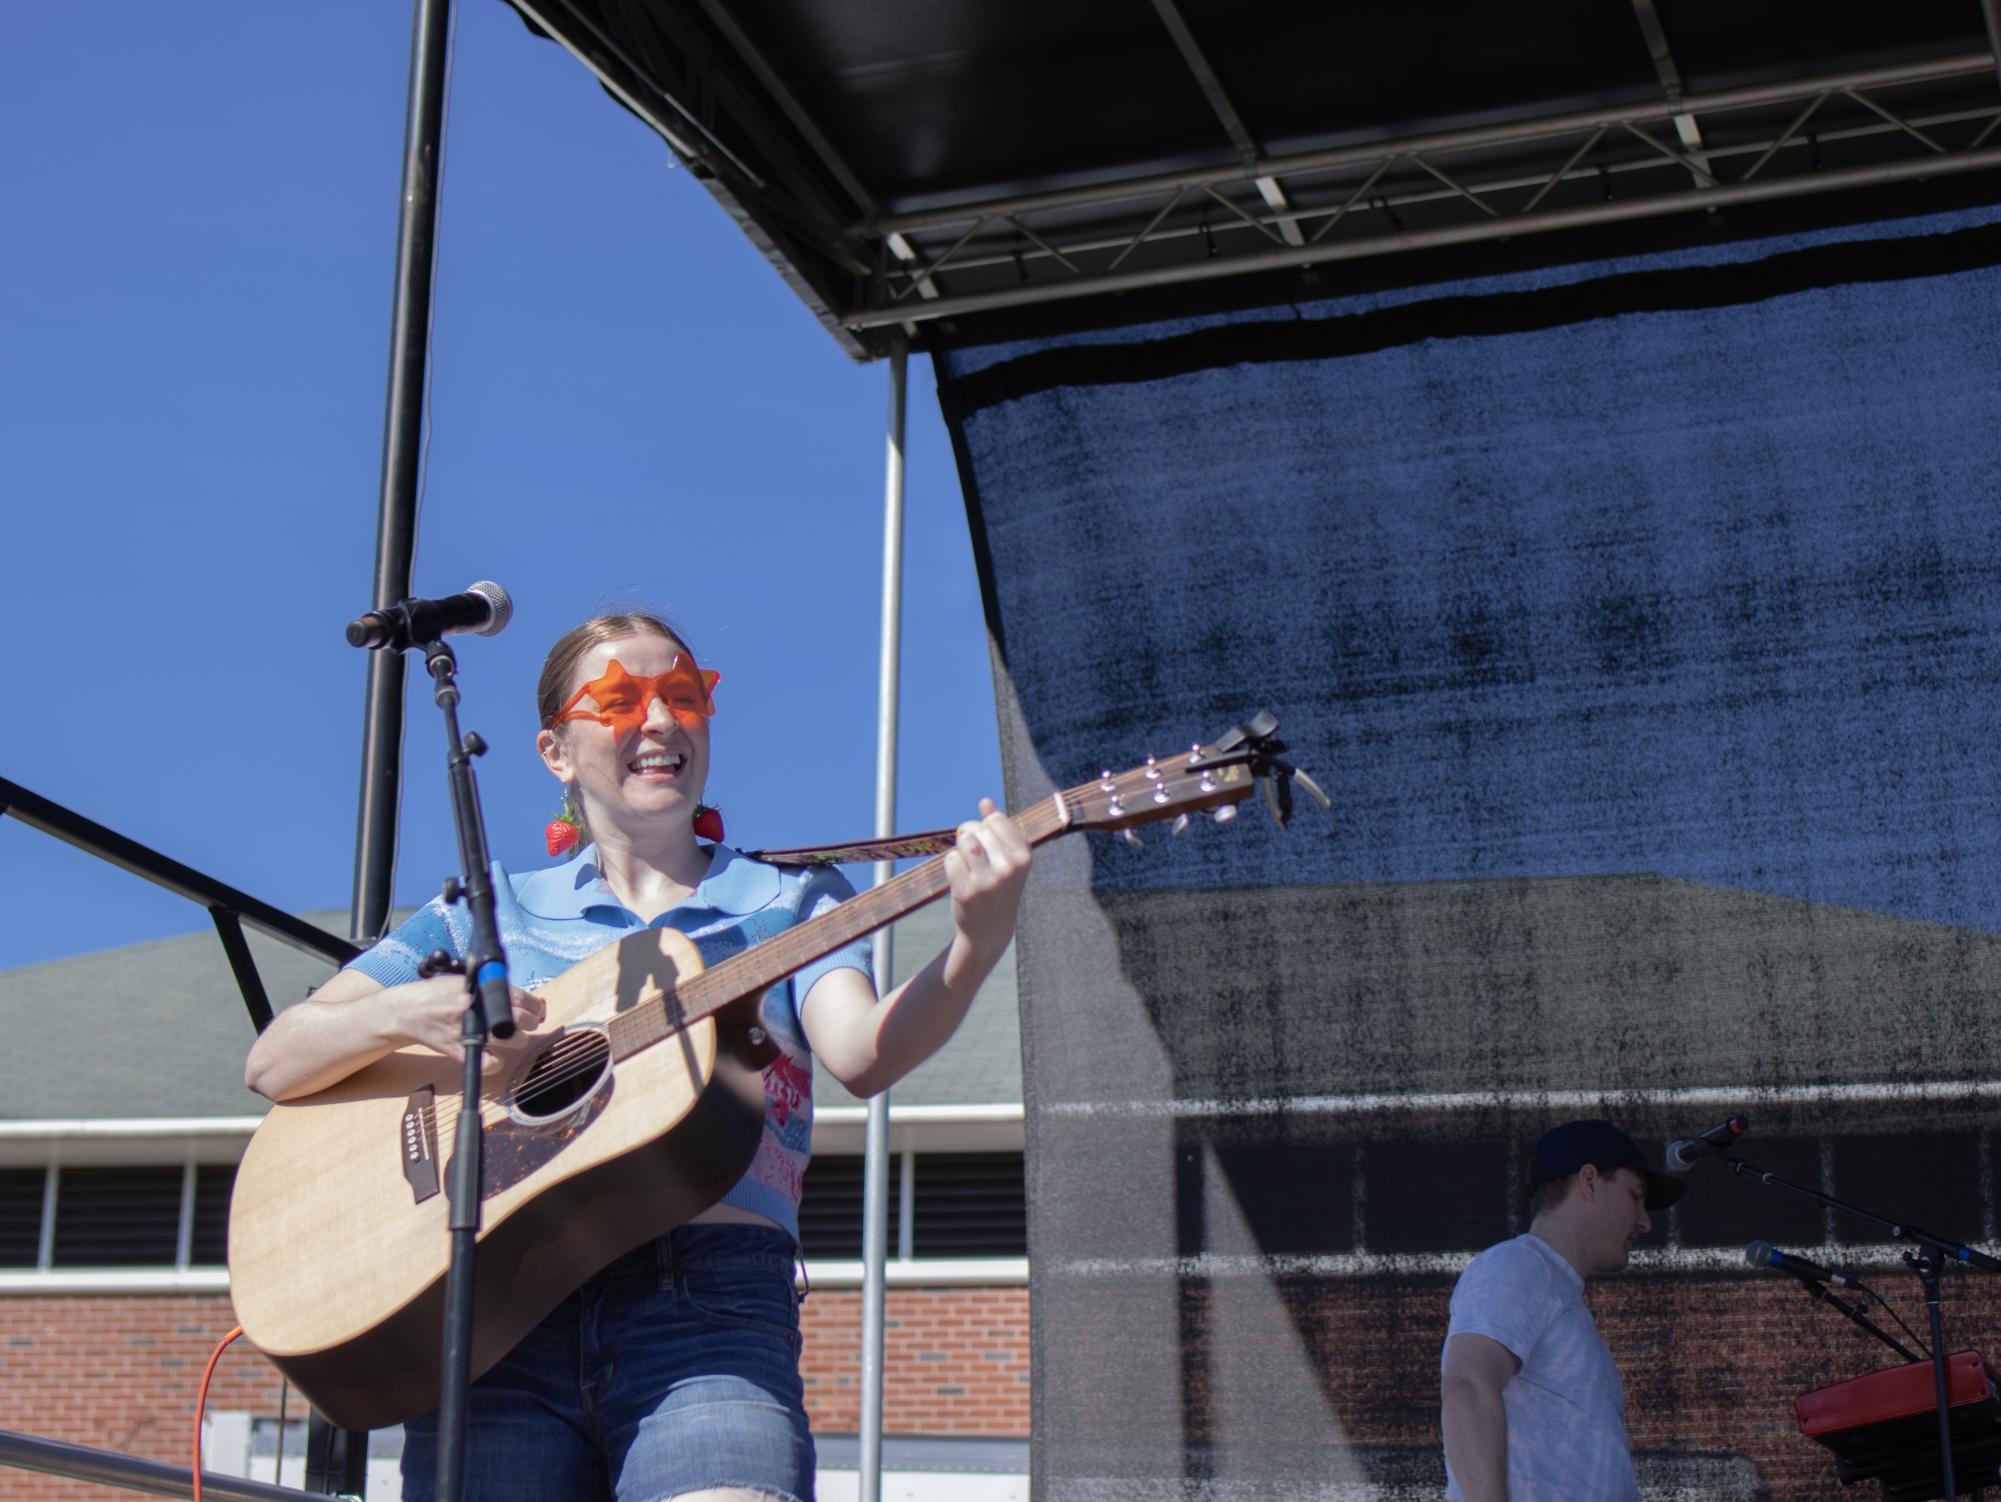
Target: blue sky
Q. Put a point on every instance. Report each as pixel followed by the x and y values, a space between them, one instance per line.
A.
pixel 628 406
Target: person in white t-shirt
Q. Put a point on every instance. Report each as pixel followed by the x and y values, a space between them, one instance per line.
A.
pixel 1532 1405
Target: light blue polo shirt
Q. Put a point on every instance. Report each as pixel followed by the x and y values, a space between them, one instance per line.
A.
pixel 552 918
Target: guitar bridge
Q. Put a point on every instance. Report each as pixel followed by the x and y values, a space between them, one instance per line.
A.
pixel 420 1144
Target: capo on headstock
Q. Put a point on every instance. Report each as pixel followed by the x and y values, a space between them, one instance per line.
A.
pixel 1258 737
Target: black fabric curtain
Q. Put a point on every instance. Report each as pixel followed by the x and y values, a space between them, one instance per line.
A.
pixel 1644 621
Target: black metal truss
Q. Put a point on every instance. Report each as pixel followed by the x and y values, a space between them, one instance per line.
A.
pixel 1862 129
pixel 696 75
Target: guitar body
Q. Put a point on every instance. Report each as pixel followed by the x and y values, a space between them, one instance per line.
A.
pixel 338 1227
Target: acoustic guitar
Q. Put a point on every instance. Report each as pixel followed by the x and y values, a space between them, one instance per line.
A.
pixel 640 1111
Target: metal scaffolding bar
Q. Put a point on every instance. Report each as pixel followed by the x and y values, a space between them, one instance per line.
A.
pixel 1205 75
pixel 680 137
pixel 402 458
pixel 875 1144
pixel 1657 45
pixel 1437 142
pixel 1416 194
pixel 788 103
pixel 1990 11
pixel 1583 149
pixel 1905 126
pixel 1546 221
pixel 1667 69
pixel 924 277
pixel 337 1459
pixel 52 1457
pixel 1700 173
pixel 72 828
pixel 1811 109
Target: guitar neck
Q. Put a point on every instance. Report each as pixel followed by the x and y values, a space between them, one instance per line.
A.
pixel 756 970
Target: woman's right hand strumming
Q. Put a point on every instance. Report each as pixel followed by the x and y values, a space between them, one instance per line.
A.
pixel 354 1020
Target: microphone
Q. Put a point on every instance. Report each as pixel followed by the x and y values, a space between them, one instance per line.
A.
pixel 1764 1254
pixel 1710 1142
pixel 482 609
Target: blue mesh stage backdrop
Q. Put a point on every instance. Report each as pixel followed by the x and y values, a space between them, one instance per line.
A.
pixel 1644 622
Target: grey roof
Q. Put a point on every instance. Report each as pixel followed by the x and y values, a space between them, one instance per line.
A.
pixel 159 1029
pixel 146 1031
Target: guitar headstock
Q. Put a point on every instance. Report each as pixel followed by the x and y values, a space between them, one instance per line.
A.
pixel 1198 780
pixel 1203 779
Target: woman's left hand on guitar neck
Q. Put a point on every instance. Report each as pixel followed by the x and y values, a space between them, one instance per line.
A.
pixel 868 1044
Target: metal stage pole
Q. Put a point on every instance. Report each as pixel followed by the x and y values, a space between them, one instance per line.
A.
pixel 337 1460
pixel 54 1457
pixel 876 1161
pixel 402 450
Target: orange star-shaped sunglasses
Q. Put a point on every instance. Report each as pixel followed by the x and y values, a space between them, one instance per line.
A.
pixel 622 699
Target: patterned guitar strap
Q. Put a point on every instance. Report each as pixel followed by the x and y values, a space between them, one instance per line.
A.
pixel 897 847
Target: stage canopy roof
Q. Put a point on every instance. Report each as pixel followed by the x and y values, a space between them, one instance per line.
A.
pixel 967 169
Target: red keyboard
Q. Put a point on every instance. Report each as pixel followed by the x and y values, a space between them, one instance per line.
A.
pixel 1885 1426
pixel 1892 1393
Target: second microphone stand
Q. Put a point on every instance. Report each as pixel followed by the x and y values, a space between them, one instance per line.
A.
pixel 1817 1291
pixel 1928 1261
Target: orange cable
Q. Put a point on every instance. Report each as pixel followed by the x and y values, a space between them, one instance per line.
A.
pixel 201 1401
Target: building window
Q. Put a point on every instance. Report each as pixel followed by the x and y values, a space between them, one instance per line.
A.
pixel 830 1209
pixel 118 1217
pixel 961 1205
pixel 151 1216
pixel 969 1205
pixel 208 1237
pixel 22 1191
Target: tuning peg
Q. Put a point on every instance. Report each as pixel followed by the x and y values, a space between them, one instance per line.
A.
pixel 1180 825
pixel 1224 814
pixel 1132 838
pixel 1278 799
pixel 1312 787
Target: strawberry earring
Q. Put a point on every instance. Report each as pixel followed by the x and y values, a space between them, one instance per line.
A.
pixel 708 823
pixel 562 835
pixel 565 833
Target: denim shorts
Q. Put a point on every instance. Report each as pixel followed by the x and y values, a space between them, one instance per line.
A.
pixel 674 1369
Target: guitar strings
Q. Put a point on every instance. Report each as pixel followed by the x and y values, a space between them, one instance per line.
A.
pixel 580 1055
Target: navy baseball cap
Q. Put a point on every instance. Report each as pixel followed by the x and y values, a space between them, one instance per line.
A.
pixel 1565 1149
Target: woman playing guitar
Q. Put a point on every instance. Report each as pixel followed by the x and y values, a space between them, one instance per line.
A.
pixel 674 1371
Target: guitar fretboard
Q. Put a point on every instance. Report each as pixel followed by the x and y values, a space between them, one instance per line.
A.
pixel 755 971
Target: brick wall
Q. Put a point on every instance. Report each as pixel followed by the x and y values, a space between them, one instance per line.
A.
pixel 120 1372
pixel 956 1360
pixel 117 1373
pixel 1711 1364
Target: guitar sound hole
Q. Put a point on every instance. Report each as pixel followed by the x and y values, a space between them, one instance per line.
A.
pixel 561 1076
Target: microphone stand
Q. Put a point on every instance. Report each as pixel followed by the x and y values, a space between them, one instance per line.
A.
pixel 489 1012
pixel 1930 1258
pixel 1819 1290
